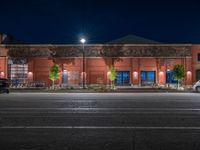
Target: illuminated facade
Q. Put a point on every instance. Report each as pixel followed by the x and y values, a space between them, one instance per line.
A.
pixel 136 64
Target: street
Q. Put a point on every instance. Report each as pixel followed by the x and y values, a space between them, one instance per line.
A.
pixel 100 121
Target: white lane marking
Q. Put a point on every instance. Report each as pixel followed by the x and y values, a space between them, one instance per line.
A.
pixel 104 112
pixel 109 110
pixel 98 108
pixel 100 127
pixel 100 113
pixel 103 100
pixel 93 110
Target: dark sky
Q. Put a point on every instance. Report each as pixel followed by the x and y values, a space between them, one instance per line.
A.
pixel 64 21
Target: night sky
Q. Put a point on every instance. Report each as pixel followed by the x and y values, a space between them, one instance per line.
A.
pixel 65 21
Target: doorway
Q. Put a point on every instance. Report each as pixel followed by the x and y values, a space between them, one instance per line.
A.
pixel 148 77
pixel 64 77
pixel 123 78
pixel 170 78
pixel 198 75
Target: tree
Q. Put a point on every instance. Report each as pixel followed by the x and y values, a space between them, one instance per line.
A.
pixel 179 73
pixel 114 52
pixel 54 74
pixel 112 75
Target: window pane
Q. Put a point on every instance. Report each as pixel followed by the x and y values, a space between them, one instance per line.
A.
pixel 17 73
pixel 198 57
pixel 170 77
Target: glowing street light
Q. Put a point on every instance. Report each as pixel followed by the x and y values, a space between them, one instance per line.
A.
pixel 83 40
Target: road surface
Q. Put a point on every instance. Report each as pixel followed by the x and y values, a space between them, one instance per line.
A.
pixel 100 121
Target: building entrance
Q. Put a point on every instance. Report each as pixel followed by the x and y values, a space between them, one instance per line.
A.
pixel 170 78
pixel 148 77
pixel 64 77
pixel 197 75
pixel 123 78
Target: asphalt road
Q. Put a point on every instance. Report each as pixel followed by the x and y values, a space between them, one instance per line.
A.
pixel 89 121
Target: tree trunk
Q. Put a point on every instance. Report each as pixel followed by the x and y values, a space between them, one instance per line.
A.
pixel 178 85
pixel 112 85
pixel 53 85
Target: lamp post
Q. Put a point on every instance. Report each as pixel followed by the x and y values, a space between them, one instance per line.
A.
pixel 83 51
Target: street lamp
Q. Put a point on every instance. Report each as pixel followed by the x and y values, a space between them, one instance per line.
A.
pixel 83 41
pixel 83 51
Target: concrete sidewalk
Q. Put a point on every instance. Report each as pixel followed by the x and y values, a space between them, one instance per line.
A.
pixel 118 90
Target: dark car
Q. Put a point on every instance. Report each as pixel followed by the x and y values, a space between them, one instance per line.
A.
pixel 4 85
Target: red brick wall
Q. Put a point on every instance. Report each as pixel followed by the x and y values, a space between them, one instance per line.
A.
pixel 74 71
pixel 3 62
pixel 195 62
pixel 97 69
pixel 3 67
pixel 40 69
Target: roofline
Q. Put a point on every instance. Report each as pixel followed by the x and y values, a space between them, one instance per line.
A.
pixel 47 45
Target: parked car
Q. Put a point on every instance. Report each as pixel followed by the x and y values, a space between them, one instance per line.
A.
pixel 4 86
pixel 196 86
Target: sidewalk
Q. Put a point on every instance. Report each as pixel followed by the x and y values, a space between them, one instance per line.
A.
pixel 118 90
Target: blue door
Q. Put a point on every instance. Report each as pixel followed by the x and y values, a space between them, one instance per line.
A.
pixel 123 78
pixel 64 77
pixel 148 77
pixel 170 78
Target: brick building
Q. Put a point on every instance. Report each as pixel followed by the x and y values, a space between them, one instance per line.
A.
pixel 137 63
